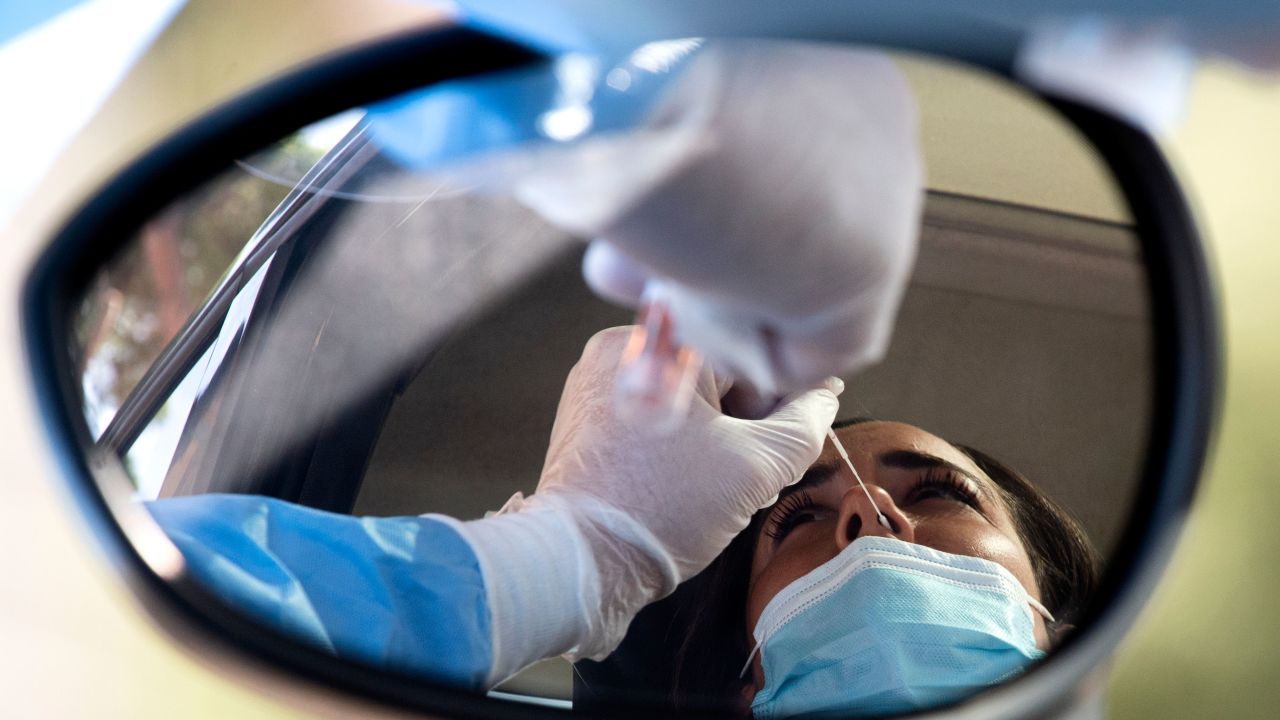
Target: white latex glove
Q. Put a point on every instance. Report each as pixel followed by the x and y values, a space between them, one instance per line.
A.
pixel 620 518
pixel 776 190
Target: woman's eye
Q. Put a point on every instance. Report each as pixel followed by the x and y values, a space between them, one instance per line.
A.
pixel 944 486
pixel 801 518
pixel 939 492
pixel 790 514
pixel 783 526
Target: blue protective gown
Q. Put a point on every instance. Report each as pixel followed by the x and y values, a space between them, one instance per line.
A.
pixel 398 592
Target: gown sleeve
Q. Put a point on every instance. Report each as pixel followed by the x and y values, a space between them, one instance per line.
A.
pixel 403 593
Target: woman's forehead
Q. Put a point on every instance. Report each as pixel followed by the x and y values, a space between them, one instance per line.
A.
pixel 876 437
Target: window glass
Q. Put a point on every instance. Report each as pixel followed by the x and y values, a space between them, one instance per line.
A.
pixel 141 300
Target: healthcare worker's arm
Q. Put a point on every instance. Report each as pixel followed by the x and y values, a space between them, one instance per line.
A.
pixel 398 592
pixel 783 225
pixel 621 516
pixel 618 520
pixel 769 192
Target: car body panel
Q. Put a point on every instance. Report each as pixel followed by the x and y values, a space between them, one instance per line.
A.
pixel 78 644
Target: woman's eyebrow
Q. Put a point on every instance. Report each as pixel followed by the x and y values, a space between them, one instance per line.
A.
pixel 914 460
pixel 817 475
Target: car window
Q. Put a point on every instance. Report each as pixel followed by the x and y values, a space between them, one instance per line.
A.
pixel 142 300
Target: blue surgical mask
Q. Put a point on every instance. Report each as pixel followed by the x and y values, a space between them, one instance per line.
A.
pixel 890 626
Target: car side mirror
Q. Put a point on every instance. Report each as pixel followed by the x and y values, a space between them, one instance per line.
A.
pixel 274 302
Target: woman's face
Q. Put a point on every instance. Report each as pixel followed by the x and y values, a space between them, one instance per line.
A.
pixel 931 493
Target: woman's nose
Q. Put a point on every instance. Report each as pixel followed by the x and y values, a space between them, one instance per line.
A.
pixel 858 517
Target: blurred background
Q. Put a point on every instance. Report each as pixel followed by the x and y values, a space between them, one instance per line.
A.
pixel 1207 646
pixel 1209 643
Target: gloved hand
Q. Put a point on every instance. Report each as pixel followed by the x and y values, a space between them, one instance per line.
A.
pixel 621 517
pixel 776 191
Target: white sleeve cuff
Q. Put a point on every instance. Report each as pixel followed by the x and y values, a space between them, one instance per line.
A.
pixel 530 563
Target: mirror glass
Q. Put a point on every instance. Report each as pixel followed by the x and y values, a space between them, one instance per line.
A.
pixel 324 324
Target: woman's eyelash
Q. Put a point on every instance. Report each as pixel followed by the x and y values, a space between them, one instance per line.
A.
pixel 792 510
pixel 945 481
pixel 787 514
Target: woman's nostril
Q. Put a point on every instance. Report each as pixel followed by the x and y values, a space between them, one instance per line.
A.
pixel 894 527
pixel 855 525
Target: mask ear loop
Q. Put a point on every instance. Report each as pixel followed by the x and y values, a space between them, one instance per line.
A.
pixel 1044 612
pixel 835 441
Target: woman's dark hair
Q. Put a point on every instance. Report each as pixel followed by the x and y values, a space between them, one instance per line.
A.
pixel 711 607
pixel 1065 563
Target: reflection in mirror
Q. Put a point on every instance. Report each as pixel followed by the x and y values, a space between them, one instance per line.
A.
pixel 354 334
